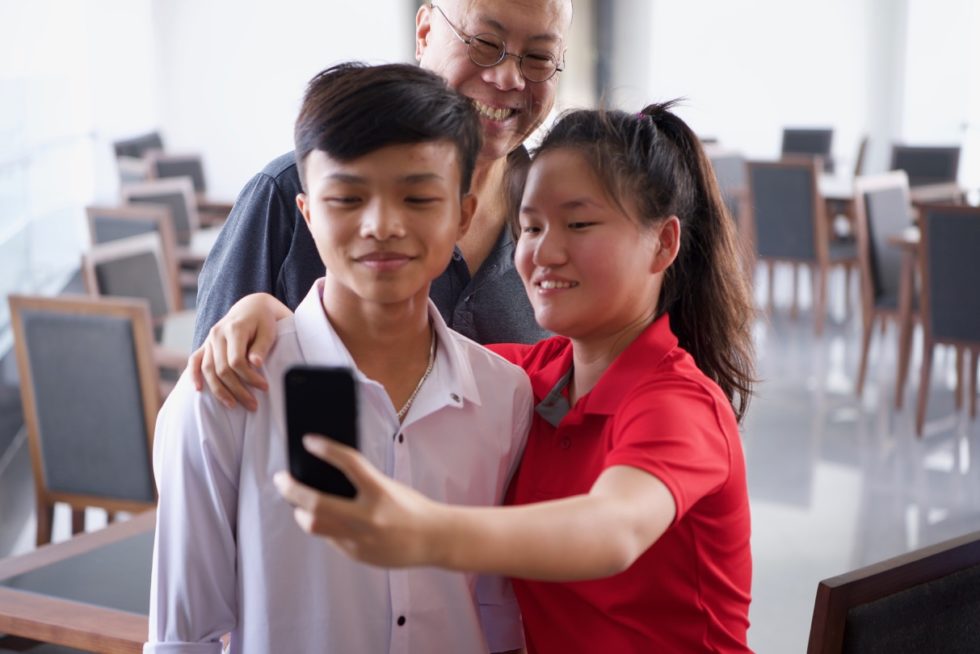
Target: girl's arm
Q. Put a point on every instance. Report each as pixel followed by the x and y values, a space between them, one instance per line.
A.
pixel 588 536
pixel 230 358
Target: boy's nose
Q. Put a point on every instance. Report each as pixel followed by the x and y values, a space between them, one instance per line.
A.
pixel 382 222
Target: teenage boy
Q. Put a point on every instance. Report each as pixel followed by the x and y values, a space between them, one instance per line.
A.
pixel 386 155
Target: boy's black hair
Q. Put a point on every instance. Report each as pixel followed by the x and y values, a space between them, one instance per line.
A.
pixel 353 109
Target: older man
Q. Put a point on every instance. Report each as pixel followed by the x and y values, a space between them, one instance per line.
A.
pixel 506 56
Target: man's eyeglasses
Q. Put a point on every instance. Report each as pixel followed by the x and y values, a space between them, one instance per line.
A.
pixel 487 50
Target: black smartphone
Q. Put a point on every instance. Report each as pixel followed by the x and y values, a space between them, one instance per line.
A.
pixel 320 400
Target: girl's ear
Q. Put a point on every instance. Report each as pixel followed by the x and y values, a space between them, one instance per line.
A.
pixel 669 243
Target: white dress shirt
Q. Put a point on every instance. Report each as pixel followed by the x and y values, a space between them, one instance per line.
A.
pixel 230 558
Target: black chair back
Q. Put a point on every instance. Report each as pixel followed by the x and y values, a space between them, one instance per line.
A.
pixel 180 166
pixel 810 142
pixel 733 180
pixel 927 164
pixel 783 206
pixel 138 146
pixel 924 601
pixel 951 271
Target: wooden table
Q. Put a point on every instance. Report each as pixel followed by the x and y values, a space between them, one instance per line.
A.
pixel 91 592
pixel 908 241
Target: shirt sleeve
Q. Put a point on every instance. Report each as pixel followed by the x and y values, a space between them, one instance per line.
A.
pixel 499 611
pixel 248 254
pixel 196 457
pixel 672 429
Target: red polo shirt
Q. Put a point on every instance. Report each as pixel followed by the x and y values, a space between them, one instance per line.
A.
pixel 652 409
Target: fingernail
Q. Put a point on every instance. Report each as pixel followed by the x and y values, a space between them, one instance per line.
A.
pixel 310 441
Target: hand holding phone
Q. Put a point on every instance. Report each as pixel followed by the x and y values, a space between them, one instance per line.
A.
pixel 320 400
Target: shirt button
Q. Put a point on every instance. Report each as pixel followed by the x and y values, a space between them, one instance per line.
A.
pixel 401 620
pixel 454 397
pixel 566 443
pixel 401 438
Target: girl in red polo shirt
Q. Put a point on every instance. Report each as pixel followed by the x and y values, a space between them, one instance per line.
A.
pixel 629 524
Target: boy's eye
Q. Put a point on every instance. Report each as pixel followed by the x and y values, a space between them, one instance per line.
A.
pixel 342 199
pixel 530 229
pixel 421 199
pixel 580 224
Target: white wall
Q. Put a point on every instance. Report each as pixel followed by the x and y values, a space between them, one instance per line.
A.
pixel 748 68
pixel 232 72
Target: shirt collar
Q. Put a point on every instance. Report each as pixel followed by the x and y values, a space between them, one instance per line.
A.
pixel 632 366
pixel 322 346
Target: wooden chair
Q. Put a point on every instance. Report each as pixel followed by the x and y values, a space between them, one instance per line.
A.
pixel 927 164
pixel 924 601
pixel 789 220
pixel 90 394
pixel 809 142
pixel 177 194
pixel 165 166
pixel 881 212
pixel 106 224
pixel 135 267
pixel 131 156
pixel 949 263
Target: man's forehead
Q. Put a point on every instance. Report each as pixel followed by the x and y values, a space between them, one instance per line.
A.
pixel 538 18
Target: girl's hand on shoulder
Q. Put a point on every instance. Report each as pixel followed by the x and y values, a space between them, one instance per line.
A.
pixel 230 360
pixel 387 524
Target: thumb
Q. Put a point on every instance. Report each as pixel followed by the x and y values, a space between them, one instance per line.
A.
pixel 349 461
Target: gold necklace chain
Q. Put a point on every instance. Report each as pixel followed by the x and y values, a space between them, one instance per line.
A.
pixel 428 369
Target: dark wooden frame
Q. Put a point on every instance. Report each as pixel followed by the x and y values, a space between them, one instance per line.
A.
pixel 836 595
pixel 139 316
pixel 929 341
pixel 65 622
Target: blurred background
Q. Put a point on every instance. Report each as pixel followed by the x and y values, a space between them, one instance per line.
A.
pixel 222 79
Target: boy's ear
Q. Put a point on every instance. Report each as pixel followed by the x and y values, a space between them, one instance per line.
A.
pixel 302 203
pixel 668 244
pixel 467 207
pixel 423 24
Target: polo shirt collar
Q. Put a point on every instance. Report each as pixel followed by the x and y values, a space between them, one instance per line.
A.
pixel 322 346
pixel 631 367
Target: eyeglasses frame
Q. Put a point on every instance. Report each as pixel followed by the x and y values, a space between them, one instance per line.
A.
pixel 467 39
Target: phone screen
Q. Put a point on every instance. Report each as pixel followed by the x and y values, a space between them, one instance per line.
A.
pixel 320 400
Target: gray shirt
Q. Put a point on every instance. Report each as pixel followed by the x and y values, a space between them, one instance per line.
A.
pixel 265 246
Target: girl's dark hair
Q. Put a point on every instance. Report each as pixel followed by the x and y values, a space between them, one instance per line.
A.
pixel 352 109
pixel 656 161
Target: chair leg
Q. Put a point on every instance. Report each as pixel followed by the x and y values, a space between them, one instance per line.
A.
pixel 924 378
pixel 869 324
pixel 77 521
pixel 820 306
pixel 794 310
pixel 45 517
pixel 847 289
